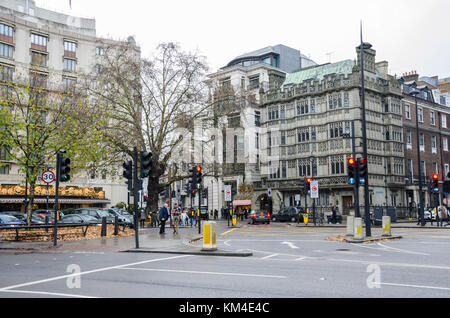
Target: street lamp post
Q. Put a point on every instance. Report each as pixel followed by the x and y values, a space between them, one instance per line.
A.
pixel 419 165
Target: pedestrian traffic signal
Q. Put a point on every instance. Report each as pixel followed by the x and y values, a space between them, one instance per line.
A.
pixel 362 168
pixel 198 176
pixel 64 170
pixel 146 163
pixel 435 182
pixel 351 170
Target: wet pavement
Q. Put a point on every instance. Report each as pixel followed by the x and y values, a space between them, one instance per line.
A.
pixel 150 241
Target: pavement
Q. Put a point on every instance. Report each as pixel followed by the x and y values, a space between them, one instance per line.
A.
pixel 150 241
pixel 187 242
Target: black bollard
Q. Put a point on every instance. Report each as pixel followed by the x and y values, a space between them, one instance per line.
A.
pixel 103 226
pixel 116 225
pixel 46 223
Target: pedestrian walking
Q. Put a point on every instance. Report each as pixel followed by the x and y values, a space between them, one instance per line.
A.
pixel 176 212
pixel 333 215
pixel 153 219
pixel 163 216
pixel 216 214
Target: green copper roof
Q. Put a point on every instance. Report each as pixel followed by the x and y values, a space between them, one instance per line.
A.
pixel 319 72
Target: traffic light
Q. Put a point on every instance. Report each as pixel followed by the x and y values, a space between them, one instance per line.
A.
pixel 362 168
pixel 198 176
pixel 145 163
pixel 435 182
pixel 192 178
pixel 128 174
pixel 64 170
pixel 307 186
pixel 193 193
pixel 351 170
pixel 205 193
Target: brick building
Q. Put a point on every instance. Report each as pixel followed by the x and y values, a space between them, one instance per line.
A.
pixel 434 134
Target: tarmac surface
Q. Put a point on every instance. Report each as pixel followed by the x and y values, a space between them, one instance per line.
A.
pixel 189 241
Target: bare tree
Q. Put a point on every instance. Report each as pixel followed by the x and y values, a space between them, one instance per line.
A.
pixel 147 100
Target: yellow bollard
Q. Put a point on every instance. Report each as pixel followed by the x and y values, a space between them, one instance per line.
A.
pixel 209 236
pixel 358 233
pixel 386 226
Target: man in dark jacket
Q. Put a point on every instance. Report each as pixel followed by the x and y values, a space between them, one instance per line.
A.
pixel 163 216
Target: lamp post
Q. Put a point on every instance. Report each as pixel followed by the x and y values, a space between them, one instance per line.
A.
pixel 419 164
pixel 311 160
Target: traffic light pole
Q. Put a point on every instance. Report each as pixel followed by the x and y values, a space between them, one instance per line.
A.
pixel 135 196
pixel 55 226
pixel 356 184
pixel 199 206
pixel 364 136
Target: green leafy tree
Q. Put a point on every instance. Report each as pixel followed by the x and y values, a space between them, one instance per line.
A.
pixel 38 118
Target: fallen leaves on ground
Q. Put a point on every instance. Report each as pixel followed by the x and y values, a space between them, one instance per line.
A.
pixel 64 234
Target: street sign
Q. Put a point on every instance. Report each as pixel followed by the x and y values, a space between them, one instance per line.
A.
pixel 227 193
pixel 269 192
pixel 48 177
pixel 314 189
pixel 297 198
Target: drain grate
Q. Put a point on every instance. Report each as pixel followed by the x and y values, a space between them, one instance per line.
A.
pixel 343 250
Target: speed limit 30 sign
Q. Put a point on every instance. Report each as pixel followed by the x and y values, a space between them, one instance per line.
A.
pixel 48 176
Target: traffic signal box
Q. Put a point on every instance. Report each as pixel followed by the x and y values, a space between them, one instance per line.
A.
pixel 307 186
pixel 357 170
pixel 435 183
pixel 64 170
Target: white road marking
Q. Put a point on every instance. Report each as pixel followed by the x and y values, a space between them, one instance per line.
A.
pixel 416 286
pixel 45 293
pixel 269 256
pixel 390 264
pixel 401 250
pixel 89 272
pixel 199 272
pixel 290 244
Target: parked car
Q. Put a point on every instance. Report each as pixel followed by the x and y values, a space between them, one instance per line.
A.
pixel 96 213
pixel 289 214
pixel 123 216
pixel 7 220
pixel 204 214
pixel 259 217
pixel 80 219
pixel 429 215
pixel 49 213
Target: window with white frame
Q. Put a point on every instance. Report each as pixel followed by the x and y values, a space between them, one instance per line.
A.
pixel 444 120
pixel 447 170
pixel 422 142
pixel 407 112
pixel 445 143
pixel 435 167
pixel 432 118
pixel 420 114
pixel 433 144
pixel 70 46
pixel 408 139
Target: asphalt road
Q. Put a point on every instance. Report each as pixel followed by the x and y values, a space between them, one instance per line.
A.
pixel 287 262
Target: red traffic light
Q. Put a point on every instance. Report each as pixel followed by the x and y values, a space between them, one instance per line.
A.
pixel 308 180
pixel 351 161
pixel 199 169
pixel 435 176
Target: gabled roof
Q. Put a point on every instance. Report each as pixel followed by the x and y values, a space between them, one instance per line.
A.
pixel 319 72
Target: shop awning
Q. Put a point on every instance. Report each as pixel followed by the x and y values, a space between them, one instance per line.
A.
pixel 61 200
pixel 242 202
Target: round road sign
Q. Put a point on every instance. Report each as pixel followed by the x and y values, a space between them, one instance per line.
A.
pixel 48 176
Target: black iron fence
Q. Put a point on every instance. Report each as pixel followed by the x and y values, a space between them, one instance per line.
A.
pixel 28 232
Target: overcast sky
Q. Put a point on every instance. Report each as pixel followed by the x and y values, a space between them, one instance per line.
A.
pixel 409 34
